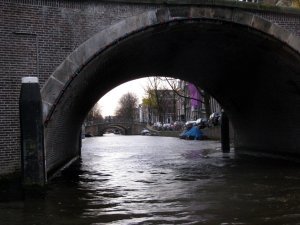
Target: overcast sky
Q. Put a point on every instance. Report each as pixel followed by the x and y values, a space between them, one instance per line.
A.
pixel 109 102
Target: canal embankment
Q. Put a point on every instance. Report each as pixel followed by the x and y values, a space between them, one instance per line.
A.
pixel 211 133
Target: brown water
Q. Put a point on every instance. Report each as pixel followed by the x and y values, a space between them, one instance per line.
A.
pixel 161 180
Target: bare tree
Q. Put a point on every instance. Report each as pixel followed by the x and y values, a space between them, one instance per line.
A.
pixel 95 114
pixel 128 104
pixel 158 98
pixel 153 99
pixel 205 96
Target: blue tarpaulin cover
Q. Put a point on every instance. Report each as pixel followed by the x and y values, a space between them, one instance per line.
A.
pixel 193 133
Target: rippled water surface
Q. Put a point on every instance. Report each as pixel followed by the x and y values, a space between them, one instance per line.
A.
pixel 161 180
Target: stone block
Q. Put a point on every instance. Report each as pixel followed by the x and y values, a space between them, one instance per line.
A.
pixel 51 90
pixel 243 18
pixel 261 24
pixel 65 70
pixel 163 15
pixel 294 42
pixel 279 33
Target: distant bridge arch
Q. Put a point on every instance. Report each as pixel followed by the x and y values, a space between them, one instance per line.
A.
pixel 237 56
pixel 126 128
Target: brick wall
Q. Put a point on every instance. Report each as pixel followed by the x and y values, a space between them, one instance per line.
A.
pixel 36 36
pixel 289 22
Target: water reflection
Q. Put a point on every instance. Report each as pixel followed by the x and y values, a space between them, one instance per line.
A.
pixel 159 180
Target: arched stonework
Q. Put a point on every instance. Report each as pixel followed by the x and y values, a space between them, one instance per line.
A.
pixel 74 63
pixel 98 59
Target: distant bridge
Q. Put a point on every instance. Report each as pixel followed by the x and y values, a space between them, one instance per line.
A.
pixel 126 128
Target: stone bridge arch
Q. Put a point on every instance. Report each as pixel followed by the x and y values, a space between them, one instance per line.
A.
pixel 127 128
pixel 100 129
pixel 103 129
pixel 250 65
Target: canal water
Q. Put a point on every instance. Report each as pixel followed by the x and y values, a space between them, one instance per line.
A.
pixel 163 180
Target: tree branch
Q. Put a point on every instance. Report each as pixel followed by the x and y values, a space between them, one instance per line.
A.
pixel 180 95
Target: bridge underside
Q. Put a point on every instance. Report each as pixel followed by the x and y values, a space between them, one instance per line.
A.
pixel 119 129
pixel 253 76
